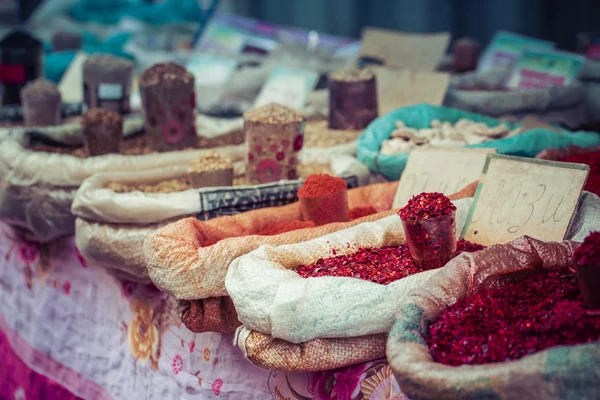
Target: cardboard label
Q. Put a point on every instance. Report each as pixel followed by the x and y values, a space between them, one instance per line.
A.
pixel 221 38
pixel 287 86
pixel 439 170
pixel 71 83
pixel 505 48
pixel 210 70
pixel 398 50
pixel 522 196
pixel 397 89
pixel 542 69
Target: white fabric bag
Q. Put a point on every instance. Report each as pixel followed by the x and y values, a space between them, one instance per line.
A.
pixel 111 227
pixel 273 299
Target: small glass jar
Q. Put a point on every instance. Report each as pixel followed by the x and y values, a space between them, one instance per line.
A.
pixel 432 242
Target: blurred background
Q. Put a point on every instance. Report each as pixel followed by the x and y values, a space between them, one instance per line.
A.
pixel 555 20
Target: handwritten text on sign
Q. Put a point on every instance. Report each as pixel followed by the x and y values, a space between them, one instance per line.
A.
pixel 520 196
pixel 439 170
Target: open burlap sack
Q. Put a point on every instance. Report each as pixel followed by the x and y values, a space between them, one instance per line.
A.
pixel 111 227
pixel 38 186
pixel 566 372
pixel 325 353
pixel 270 297
pixel 189 258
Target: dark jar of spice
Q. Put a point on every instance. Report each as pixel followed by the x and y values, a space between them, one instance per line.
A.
pixel 21 61
pixel 432 242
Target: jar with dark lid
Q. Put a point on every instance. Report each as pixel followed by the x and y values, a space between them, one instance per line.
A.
pixel 21 61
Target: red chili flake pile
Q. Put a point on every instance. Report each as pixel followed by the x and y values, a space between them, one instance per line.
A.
pixel 589 251
pixel 427 206
pixel 317 185
pixel 515 320
pixel 359 212
pixel 383 265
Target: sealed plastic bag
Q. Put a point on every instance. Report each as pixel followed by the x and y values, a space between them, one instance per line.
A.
pixel 526 144
pixel 111 227
pixel 483 92
pixel 564 372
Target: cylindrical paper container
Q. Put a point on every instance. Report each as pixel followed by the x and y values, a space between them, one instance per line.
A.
pixel 274 135
pixel 102 131
pixel 62 41
pixel 20 62
pixel 107 82
pixel 466 54
pixel 325 209
pixel 352 99
pixel 169 103
pixel 41 103
pixel 588 276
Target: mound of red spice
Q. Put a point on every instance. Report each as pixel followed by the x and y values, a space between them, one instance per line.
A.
pixel 589 251
pixel 593 160
pixel 515 320
pixel 359 212
pixel 427 206
pixel 380 265
pixel 317 185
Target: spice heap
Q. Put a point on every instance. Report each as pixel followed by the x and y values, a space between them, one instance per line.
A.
pixel 107 82
pixel 515 320
pixel 318 134
pixel 587 266
pixel 443 134
pixel 593 160
pixel 102 131
pixel 384 265
pixel 430 228
pixel 210 170
pixel 352 99
pixel 324 199
pixel 274 136
pixel 169 102
pixel 41 103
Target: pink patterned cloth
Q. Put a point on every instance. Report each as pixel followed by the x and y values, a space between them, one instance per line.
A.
pixel 68 330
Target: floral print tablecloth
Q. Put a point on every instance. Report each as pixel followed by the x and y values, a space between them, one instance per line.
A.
pixel 69 330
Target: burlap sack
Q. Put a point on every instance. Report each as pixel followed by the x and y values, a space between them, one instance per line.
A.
pixel 482 92
pixel 313 355
pixel 189 259
pixel 567 372
pixel 111 227
pixel 38 187
pixel 270 297
pixel 267 352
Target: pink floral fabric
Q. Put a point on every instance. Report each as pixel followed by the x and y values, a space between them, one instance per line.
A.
pixel 69 330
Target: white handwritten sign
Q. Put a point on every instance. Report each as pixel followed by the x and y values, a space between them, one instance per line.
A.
pixel 397 89
pixel 522 196
pixel 439 170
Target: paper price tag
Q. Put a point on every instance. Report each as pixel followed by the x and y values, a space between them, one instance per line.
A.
pixel 397 89
pixel 521 196
pixel 439 170
pixel 412 51
pixel 287 86
pixel 210 70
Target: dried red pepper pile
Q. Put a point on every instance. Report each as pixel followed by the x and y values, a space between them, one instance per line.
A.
pixel 593 160
pixel 383 265
pixel 512 321
pixel 589 251
pixel 427 206
pixel 317 185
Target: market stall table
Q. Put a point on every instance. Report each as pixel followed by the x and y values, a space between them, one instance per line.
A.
pixel 67 326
